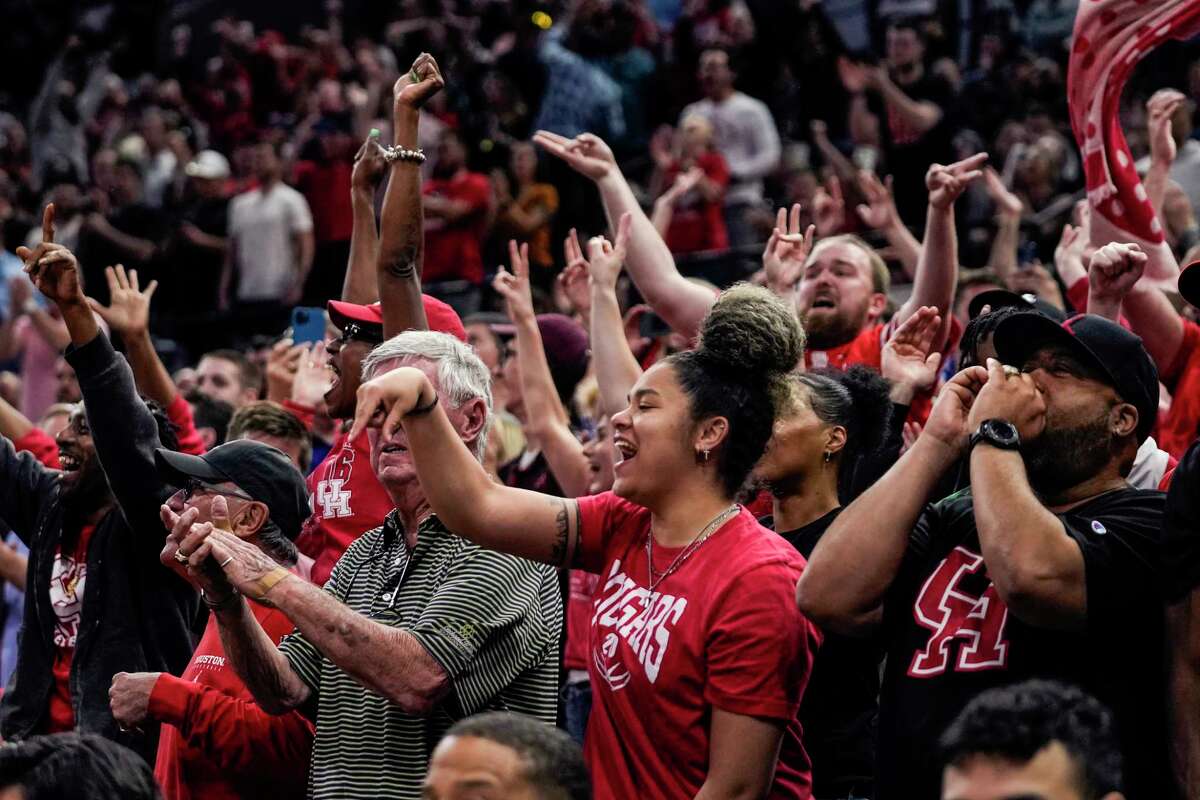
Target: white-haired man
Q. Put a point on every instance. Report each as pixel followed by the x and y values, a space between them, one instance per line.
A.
pixel 416 627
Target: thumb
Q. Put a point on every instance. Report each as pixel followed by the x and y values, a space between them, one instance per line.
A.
pixel 220 513
pixel 933 359
pixel 995 370
pixel 863 211
pixel 97 306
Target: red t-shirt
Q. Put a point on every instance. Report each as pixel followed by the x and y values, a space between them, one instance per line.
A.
pixel 867 349
pixel 217 743
pixel 68 577
pixel 326 187
pixel 580 588
pixel 347 501
pixel 452 249
pixel 180 414
pixel 722 631
pixel 1178 428
pixel 698 225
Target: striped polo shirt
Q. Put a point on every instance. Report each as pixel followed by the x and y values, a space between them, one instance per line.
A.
pixel 491 620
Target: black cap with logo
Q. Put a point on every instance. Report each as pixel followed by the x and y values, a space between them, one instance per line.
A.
pixel 1114 352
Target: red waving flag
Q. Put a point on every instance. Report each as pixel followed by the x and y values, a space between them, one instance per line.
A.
pixel 1111 37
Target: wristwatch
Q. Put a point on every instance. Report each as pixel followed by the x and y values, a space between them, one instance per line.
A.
pixel 998 433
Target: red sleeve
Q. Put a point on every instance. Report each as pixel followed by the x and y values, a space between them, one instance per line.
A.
pixel 43 448
pixel 1077 295
pixel 476 192
pixel 760 648
pixel 301 412
pixel 236 734
pixel 715 168
pixel 180 413
pixel 1187 348
pixel 601 517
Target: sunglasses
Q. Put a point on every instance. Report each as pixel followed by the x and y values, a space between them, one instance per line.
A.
pixel 353 331
pixel 194 487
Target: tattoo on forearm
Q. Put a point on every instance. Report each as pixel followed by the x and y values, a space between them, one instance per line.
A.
pixel 559 553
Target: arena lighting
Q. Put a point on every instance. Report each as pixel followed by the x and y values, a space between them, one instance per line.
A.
pixel 542 20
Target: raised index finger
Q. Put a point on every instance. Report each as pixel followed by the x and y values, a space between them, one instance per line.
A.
pixel 48 223
pixel 969 163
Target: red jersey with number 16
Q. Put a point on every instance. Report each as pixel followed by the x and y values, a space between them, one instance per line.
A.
pixel 720 632
pixel 347 500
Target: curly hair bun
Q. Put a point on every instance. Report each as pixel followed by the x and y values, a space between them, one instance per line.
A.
pixel 750 331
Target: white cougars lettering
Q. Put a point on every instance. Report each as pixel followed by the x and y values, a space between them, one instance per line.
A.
pixel 626 611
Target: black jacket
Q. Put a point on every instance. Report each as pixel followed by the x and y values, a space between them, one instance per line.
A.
pixel 136 613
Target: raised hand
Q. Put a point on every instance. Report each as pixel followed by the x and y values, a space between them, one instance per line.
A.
pixel 829 208
pixel 947 183
pixel 514 286
pixel 1114 270
pixel 128 311
pixel 879 212
pixel 1012 397
pixel 787 250
pixel 384 401
pixel 282 363
pixel 586 154
pixel 52 267
pixel 853 74
pixel 414 88
pixel 948 421
pixel 606 258
pixel 908 360
pixel 1161 107
pixel 684 182
pixel 369 164
pixel 1007 203
pixel 312 377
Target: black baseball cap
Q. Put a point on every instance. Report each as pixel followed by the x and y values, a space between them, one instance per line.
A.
pixel 1114 352
pixel 1003 298
pixel 261 471
pixel 1189 283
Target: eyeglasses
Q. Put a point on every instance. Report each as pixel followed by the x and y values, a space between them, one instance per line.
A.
pixel 355 331
pixel 194 487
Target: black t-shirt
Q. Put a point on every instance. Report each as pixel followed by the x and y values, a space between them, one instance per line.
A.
pixel 839 710
pixel 96 252
pixel 191 280
pixel 1181 529
pixel 949 637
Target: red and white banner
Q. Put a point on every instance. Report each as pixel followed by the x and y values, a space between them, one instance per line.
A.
pixel 1111 37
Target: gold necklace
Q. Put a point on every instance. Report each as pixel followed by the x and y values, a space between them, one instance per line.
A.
pixel 703 536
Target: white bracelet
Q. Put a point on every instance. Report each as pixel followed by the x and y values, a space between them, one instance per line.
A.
pixel 394 154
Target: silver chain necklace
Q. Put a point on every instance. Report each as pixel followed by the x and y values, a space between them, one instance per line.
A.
pixel 702 537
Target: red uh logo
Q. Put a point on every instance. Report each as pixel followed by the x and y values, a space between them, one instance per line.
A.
pixel 957 617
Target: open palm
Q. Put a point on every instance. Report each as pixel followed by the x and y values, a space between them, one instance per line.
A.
pixel 128 311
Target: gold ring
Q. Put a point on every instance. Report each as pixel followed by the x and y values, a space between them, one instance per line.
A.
pixel 226 561
pixel 1010 370
pixel 181 557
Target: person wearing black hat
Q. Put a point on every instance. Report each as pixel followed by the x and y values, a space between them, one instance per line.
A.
pixel 1045 568
pixel 217 741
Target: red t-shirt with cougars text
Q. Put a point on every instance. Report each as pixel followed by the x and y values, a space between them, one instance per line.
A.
pixel 720 632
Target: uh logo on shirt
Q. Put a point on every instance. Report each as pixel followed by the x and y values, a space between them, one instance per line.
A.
pixel 626 612
pixel 332 496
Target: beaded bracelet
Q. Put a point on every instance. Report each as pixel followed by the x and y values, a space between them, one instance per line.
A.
pixel 394 154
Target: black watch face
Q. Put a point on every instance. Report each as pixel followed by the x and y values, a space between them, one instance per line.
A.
pixel 1001 432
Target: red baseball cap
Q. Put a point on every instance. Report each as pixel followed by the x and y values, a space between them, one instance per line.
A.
pixel 441 317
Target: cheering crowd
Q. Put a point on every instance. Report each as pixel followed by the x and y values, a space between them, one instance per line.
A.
pixel 459 431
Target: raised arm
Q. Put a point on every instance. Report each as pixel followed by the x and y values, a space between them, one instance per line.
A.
pixel 401 238
pixel 617 370
pixel 664 206
pixel 880 213
pixel 361 285
pixel 1161 106
pixel 548 420
pixel 124 430
pixel 1114 288
pixel 856 561
pixel 461 493
pixel 1003 258
pixel 937 268
pixel 1037 570
pixel 677 300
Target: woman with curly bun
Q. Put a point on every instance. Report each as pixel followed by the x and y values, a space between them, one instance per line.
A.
pixel 698 655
